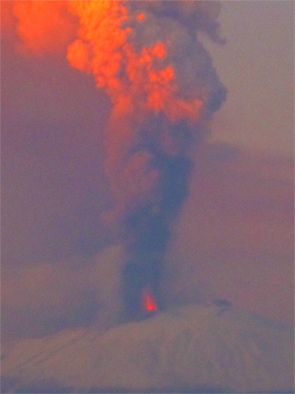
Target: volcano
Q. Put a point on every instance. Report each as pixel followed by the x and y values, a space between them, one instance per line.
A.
pixel 198 348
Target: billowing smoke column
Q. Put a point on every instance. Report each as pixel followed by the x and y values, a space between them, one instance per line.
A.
pixel 147 57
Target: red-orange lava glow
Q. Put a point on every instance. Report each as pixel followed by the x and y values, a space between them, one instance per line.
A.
pixel 149 303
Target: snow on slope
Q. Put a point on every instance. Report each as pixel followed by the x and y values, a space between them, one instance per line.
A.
pixel 193 348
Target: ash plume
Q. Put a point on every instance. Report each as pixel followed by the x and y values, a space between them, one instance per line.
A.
pixel 163 86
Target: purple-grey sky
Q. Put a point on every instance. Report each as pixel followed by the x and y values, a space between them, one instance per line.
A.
pixel 257 66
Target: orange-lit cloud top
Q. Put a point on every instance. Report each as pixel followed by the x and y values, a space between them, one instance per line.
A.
pixel 132 77
pixel 44 26
pixel 144 54
pixel 148 59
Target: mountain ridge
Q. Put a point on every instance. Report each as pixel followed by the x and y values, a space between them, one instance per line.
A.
pixel 192 348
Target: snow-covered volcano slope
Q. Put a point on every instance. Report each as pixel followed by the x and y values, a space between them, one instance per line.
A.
pixel 194 348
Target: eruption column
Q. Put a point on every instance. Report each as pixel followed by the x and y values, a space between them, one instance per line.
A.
pixel 147 57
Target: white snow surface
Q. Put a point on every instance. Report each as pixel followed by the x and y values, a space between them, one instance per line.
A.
pixel 193 348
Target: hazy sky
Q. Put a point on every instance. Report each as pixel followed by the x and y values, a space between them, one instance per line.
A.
pixel 257 66
pixel 234 238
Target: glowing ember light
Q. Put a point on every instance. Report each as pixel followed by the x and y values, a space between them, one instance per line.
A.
pixel 149 303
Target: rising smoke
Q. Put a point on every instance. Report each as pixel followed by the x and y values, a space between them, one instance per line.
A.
pixel 147 56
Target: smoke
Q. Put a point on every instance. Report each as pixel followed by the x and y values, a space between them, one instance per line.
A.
pixel 164 89
pixel 45 27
